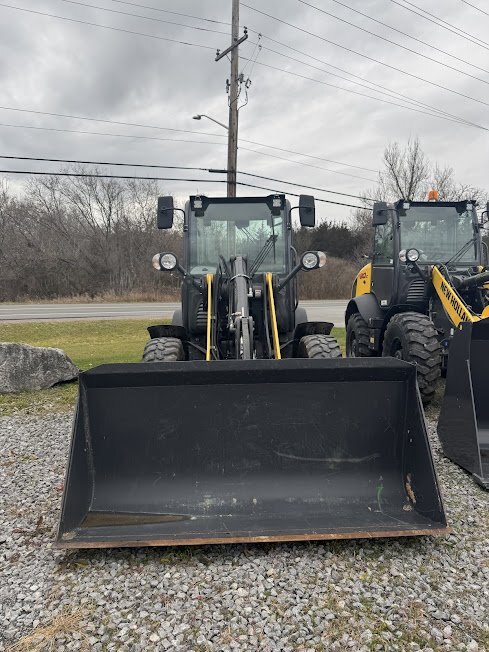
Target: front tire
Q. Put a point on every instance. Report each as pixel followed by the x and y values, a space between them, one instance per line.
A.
pixel 163 349
pixel 411 336
pixel 357 337
pixel 318 347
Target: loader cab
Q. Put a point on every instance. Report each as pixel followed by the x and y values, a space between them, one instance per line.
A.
pixel 442 232
pixel 221 227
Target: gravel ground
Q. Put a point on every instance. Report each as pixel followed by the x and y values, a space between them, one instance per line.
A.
pixel 411 594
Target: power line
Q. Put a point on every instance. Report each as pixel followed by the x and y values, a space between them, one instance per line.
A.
pixel 199 142
pixel 309 165
pixel 301 185
pixel 325 63
pixel 382 63
pixel 413 38
pixel 347 90
pixel 175 167
pixel 386 40
pixel 188 131
pixel 111 122
pixel 115 29
pixel 159 20
pixel 392 94
pixel 100 133
pixel 384 90
pixel 127 177
pixel 132 165
pixel 161 38
pixel 447 26
pixel 474 7
pixel 150 18
pixel 167 11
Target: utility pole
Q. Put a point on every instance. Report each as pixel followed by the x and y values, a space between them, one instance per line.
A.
pixel 233 85
pixel 233 103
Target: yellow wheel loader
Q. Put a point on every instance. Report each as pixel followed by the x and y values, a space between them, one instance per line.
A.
pixel 243 423
pixel 424 298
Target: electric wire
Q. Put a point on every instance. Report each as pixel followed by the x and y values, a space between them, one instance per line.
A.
pixel 475 7
pixel 447 26
pixel 181 140
pixel 410 36
pixel 348 90
pixel 167 11
pixel 177 167
pixel 389 93
pixel 158 127
pixel 115 29
pixel 259 63
pixel 188 180
pixel 384 90
pixel 386 40
pixel 207 47
pixel 150 18
pixel 365 56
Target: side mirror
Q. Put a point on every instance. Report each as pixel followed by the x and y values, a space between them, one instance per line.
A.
pixel 380 214
pixel 307 210
pixel 164 219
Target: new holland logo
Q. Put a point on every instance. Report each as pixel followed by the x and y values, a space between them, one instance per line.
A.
pixel 454 301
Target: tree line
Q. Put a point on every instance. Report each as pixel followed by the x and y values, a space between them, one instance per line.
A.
pixel 90 237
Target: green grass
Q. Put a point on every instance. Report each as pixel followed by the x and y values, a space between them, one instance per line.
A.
pixel 88 343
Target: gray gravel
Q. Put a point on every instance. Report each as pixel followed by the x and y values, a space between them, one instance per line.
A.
pixel 416 594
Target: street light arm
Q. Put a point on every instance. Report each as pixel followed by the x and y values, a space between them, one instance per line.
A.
pixel 203 115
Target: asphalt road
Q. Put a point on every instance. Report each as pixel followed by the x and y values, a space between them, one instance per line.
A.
pixel 316 310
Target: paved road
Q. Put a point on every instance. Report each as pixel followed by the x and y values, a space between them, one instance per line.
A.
pixel 317 311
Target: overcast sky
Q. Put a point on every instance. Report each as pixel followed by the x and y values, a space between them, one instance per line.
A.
pixel 52 65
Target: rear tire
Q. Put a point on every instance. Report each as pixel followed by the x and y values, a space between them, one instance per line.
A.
pixel 163 349
pixel 411 336
pixel 357 337
pixel 318 346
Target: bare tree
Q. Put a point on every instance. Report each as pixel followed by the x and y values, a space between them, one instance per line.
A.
pixel 406 171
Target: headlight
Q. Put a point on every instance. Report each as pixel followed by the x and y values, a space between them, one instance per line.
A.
pixel 310 260
pixel 164 262
pixel 412 255
pixel 168 262
pixel 402 255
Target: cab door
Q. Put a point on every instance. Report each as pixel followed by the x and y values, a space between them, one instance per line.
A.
pixel 383 263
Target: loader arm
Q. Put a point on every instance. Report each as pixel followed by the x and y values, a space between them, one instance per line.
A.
pixel 454 306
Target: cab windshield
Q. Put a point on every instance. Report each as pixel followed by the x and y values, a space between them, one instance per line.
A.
pixel 235 229
pixel 438 232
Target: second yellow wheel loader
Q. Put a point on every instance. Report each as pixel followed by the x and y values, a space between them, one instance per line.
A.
pixel 243 423
pixel 424 299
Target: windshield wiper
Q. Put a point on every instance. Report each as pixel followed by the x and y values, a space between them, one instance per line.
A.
pixel 462 250
pixel 262 254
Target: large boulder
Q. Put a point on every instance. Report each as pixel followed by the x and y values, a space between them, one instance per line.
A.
pixel 26 368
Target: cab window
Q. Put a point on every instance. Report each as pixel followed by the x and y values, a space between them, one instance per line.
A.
pixel 384 244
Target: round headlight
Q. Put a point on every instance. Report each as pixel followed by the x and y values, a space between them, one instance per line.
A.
pixel 168 262
pixel 412 255
pixel 155 261
pixel 322 258
pixel 310 260
pixel 402 255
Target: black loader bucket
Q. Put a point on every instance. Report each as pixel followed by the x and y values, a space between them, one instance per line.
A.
pixel 463 426
pixel 248 451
